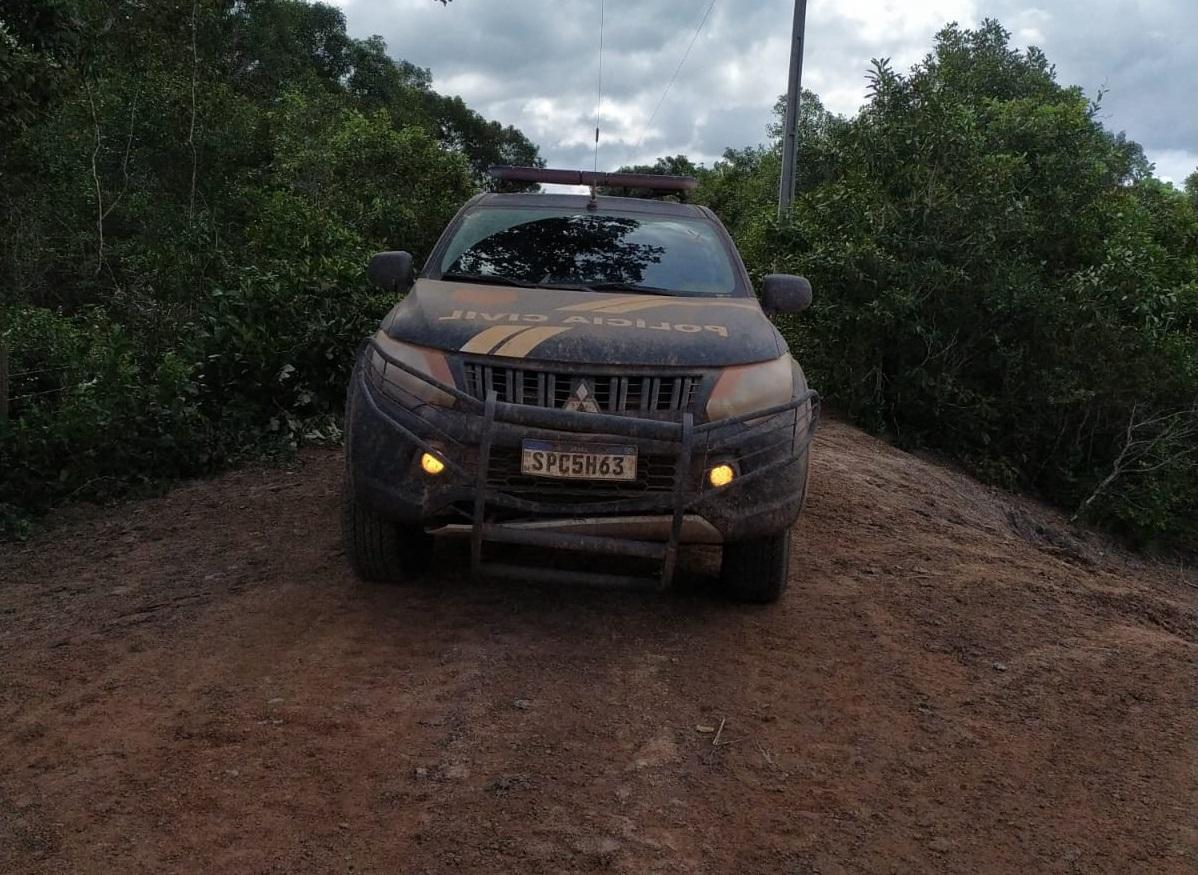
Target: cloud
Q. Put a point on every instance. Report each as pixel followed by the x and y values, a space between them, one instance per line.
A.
pixel 533 64
pixel 1141 56
pixel 1174 165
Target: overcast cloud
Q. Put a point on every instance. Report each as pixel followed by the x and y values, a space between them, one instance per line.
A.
pixel 532 63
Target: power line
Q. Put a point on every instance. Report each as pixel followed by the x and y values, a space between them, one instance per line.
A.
pixel 39 371
pixel 36 394
pixel 677 70
pixel 599 100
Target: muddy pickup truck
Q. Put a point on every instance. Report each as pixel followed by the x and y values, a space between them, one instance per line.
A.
pixel 576 376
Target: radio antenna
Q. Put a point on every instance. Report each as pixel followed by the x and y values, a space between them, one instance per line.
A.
pixel 599 100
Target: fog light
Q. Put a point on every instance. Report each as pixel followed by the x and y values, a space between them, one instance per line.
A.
pixel 431 464
pixel 721 475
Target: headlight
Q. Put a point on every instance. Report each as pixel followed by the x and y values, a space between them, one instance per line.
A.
pixel 402 386
pixel 721 475
pixel 431 464
pixel 745 389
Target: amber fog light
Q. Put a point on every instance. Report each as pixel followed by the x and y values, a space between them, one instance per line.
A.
pixel 721 475
pixel 431 464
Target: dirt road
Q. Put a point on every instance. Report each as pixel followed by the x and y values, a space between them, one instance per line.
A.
pixel 951 684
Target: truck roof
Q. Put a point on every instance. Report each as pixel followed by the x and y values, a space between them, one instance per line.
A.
pixel 580 201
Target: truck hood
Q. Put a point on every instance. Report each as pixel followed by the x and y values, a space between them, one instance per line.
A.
pixel 584 327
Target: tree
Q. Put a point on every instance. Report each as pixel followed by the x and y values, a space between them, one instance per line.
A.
pixel 191 191
pixel 997 277
pixel 484 143
pixel 38 39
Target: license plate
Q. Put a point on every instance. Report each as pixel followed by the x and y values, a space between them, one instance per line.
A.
pixel 593 462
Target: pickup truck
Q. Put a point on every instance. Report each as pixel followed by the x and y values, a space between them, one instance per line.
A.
pixel 579 373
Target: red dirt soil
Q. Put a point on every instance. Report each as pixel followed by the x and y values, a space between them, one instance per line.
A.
pixel 954 682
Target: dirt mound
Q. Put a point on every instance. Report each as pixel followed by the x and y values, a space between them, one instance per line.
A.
pixel 955 681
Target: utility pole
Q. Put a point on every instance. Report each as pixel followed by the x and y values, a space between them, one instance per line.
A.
pixel 786 192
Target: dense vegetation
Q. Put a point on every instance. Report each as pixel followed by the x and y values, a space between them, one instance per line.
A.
pixel 189 190
pixel 997 278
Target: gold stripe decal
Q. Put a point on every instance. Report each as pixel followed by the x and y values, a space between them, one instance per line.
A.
pixel 487 340
pixel 524 343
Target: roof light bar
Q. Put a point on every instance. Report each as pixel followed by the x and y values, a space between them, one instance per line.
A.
pixel 587 177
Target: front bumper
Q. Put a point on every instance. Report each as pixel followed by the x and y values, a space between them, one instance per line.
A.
pixel 481 492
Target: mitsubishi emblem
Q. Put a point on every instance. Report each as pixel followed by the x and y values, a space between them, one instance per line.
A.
pixel 582 398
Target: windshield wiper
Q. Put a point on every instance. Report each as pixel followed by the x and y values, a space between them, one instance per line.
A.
pixel 493 279
pixel 500 280
pixel 627 287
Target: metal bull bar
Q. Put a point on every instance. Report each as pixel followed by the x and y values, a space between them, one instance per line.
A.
pixel 685 440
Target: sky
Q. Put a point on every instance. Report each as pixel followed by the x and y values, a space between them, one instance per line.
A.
pixel 534 64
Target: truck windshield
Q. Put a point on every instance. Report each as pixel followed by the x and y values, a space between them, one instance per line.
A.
pixel 546 247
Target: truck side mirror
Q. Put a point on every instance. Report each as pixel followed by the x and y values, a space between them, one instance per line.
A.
pixel 785 293
pixel 391 271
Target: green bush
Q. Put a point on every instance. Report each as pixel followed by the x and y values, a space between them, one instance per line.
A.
pixel 997 278
pixel 89 415
pixel 183 269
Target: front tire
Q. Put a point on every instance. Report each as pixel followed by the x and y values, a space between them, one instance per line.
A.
pixel 756 570
pixel 379 549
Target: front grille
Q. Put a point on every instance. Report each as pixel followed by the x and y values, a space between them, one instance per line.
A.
pixel 654 474
pixel 633 393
